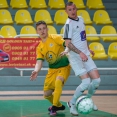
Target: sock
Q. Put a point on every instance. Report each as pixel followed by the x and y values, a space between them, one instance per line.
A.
pixel 50 99
pixel 57 92
pixel 93 86
pixel 80 89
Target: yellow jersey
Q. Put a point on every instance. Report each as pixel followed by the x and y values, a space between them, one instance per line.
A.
pixel 50 50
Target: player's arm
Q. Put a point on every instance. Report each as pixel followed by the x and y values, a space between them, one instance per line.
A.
pixel 68 36
pixel 65 52
pixel 71 46
pixel 38 67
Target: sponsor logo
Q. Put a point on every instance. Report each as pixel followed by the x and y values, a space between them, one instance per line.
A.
pixel 83 35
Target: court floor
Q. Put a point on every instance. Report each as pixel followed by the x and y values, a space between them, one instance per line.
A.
pixel 37 107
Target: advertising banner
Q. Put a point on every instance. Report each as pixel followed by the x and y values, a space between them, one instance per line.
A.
pixel 18 52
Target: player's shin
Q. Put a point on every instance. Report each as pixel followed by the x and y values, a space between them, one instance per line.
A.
pixel 57 93
pixel 93 87
pixel 80 89
pixel 50 99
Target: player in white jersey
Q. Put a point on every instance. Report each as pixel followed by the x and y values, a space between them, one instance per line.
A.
pixel 79 56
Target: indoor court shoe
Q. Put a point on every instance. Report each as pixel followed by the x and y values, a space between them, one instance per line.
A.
pixel 73 109
pixel 49 109
pixel 53 111
pixel 95 107
pixel 57 108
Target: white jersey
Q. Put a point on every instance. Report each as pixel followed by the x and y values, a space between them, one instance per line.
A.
pixel 75 31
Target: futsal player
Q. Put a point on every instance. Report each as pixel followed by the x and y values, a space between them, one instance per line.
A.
pixel 79 56
pixel 50 48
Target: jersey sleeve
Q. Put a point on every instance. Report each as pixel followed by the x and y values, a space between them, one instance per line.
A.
pixel 67 31
pixel 39 55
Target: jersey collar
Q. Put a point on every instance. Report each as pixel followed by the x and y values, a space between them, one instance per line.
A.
pixel 74 19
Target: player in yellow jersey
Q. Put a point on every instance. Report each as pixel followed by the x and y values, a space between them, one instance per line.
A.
pixel 50 48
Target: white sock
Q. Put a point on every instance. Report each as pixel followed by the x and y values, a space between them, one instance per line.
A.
pixel 80 89
pixel 93 86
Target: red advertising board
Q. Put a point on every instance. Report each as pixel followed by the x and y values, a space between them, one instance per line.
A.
pixel 19 52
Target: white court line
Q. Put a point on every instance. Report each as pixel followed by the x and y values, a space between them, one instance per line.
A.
pixel 63 92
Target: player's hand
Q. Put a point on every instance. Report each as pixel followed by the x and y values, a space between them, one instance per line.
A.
pixel 33 75
pixel 92 52
pixel 63 53
pixel 83 57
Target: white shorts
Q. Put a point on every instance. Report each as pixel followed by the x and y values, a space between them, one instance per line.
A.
pixel 79 66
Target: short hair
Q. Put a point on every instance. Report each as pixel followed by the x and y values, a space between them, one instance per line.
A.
pixel 69 4
pixel 40 22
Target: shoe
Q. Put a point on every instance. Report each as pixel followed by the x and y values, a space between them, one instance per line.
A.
pixel 73 109
pixel 53 111
pixel 49 109
pixel 95 107
pixel 57 108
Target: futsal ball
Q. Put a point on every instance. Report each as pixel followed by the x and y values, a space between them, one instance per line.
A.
pixel 84 105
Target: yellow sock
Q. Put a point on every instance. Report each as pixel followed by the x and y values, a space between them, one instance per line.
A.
pixel 57 92
pixel 50 99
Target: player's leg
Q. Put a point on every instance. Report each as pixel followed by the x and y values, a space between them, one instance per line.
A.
pixel 94 84
pixel 49 96
pixel 62 75
pixel 58 90
pixel 95 77
pixel 49 87
pixel 56 96
pixel 79 91
pixel 79 69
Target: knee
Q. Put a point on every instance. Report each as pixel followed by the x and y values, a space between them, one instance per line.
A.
pixel 47 96
pixel 47 93
pixel 85 84
pixel 60 79
pixel 96 82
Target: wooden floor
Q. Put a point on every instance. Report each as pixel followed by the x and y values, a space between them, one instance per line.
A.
pixel 104 103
